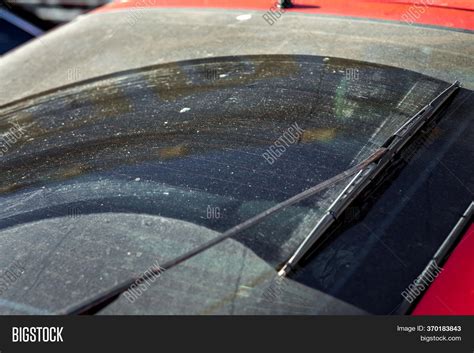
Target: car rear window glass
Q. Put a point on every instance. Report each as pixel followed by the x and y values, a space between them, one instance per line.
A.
pixel 211 142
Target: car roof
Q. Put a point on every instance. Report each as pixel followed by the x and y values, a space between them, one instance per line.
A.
pixel 452 13
pixel 103 43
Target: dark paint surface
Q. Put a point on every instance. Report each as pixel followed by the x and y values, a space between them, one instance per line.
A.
pixel 11 36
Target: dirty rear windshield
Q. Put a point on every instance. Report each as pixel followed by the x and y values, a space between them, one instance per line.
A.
pixel 208 142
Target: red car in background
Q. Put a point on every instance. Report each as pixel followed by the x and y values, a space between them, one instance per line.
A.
pixel 312 157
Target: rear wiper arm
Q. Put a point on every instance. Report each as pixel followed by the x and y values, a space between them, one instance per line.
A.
pixel 365 176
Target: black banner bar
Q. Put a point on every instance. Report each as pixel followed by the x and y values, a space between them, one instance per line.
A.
pixel 317 333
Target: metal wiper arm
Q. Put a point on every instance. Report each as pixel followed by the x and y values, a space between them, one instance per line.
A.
pixel 365 176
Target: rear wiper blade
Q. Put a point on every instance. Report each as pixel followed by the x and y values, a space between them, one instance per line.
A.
pixel 365 176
